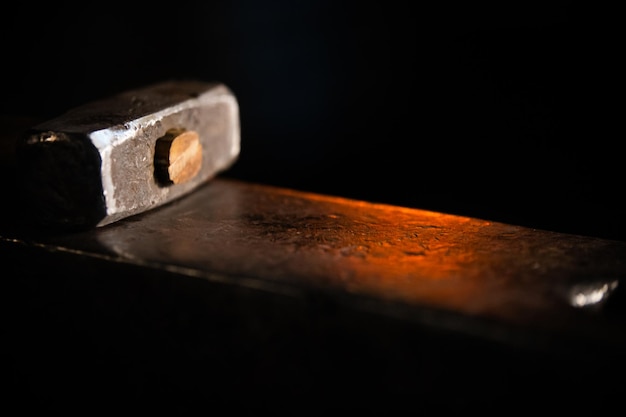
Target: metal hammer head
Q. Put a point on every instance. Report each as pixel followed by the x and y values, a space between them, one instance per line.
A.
pixel 113 158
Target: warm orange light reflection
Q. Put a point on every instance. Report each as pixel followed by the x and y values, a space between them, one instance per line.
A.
pixel 389 251
pixel 266 237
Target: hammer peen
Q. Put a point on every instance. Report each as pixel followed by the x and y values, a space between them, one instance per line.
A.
pixel 126 154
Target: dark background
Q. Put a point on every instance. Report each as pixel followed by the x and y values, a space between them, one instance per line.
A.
pixel 507 111
pixel 504 111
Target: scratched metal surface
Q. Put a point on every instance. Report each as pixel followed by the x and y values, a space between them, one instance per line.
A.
pixel 465 274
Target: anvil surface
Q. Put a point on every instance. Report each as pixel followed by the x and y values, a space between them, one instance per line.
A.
pixel 300 274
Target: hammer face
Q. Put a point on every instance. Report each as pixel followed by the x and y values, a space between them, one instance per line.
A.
pixel 97 163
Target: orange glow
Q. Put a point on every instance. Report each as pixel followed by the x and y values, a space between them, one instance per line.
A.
pixel 276 239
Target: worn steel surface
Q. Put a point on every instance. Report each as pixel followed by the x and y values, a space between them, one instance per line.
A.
pixel 470 275
pixel 254 297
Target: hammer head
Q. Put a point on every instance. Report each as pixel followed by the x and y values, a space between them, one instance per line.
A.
pixel 117 157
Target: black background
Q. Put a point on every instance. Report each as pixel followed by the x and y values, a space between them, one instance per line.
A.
pixel 505 111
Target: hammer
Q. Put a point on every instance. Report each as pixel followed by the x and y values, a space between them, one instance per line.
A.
pixel 128 153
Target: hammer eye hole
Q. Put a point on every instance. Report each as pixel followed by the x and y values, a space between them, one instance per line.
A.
pixel 177 157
